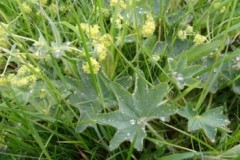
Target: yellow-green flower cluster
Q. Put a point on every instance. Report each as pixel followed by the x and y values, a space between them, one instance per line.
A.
pixel 92 31
pixel 117 21
pixel 199 39
pixel 43 2
pixel 188 31
pixel 24 70
pixel 120 3
pixel 24 78
pixel 100 44
pixel 22 81
pixel 53 8
pixel 119 6
pixel 217 6
pixel 105 39
pixel 149 26
pixel 95 66
pixel 101 51
pixel 26 8
pixel 182 34
pixel 104 11
pixel 223 9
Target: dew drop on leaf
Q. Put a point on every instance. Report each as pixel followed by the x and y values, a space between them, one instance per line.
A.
pixel 163 119
pixel 132 121
pixel 237 58
pixel 204 59
pixel 226 121
pixel 215 70
pixel 142 11
pixel 179 77
pixel 170 59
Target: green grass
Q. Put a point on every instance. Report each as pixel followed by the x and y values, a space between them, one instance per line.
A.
pixel 105 79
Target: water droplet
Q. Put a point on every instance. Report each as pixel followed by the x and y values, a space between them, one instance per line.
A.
pixel 238 58
pixel 226 121
pixel 215 70
pixel 132 121
pixel 213 140
pixel 170 59
pixel 211 55
pixel 128 134
pixel 19 124
pixel 204 59
pixel 180 77
pixel 142 11
pixel 163 119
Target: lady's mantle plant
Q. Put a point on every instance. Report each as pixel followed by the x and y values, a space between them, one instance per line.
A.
pixel 136 110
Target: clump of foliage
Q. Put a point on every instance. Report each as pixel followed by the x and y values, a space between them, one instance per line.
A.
pixel 117 79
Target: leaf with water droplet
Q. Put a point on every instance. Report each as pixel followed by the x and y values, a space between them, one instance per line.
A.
pixel 87 100
pixel 135 110
pixel 209 121
pixel 132 121
pixel 181 74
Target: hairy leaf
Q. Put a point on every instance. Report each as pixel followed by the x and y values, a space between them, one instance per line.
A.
pixel 135 110
pixel 182 74
pixel 209 121
pixel 87 100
